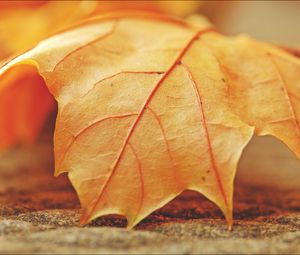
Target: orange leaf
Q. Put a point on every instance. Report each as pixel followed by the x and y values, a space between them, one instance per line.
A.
pixel 149 106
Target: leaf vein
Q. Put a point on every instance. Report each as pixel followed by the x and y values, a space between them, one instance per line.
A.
pixel 166 142
pixel 90 125
pixel 207 137
pixel 119 73
pixel 110 32
pixel 141 181
pixel 287 94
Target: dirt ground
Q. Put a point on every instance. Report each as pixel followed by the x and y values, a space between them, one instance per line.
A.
pixel 40 213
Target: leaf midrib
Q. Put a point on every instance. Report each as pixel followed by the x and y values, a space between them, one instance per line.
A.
pixel 86 217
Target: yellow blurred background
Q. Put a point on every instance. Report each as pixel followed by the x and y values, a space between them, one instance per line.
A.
pixel 24 23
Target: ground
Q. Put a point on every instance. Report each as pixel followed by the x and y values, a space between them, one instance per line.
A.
pixel 39 213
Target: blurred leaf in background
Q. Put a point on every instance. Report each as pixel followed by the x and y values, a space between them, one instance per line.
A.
pixel 22 25
pixel 25 23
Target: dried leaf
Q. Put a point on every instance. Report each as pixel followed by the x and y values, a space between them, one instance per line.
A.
pixel 150 106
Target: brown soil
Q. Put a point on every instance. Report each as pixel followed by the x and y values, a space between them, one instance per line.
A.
pixel 40 213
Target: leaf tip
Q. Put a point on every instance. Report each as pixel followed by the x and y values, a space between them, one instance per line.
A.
pixel 229 225
pixel 131 223
pixel 56 174
pixel 229 219
pixel 84 219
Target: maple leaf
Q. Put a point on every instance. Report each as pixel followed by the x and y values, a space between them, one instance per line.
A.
pixel 149 106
